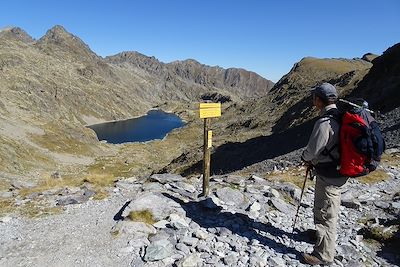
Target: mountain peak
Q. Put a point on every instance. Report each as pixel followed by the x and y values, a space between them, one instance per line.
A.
pixel 58 39
pixel 369 57
pixel 58 29
pixel 15 33
pixel 58 34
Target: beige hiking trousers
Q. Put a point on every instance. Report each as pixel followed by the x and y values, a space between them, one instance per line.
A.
pixel 326 212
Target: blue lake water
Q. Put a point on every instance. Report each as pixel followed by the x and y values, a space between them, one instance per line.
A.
pixel 155 125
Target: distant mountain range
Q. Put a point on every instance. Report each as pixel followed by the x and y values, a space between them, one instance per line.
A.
pixel 50 88
pixel 67 68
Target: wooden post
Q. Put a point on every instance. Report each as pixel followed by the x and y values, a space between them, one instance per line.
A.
pixel 206 160
pixel 207 111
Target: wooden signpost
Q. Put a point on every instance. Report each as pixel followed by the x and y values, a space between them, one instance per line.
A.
pixel 207 111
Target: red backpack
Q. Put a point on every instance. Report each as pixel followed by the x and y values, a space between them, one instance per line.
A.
pixel 352 160
pixel 361 143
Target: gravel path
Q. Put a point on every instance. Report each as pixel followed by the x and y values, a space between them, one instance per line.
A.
pixel 245 222
pixel 78 237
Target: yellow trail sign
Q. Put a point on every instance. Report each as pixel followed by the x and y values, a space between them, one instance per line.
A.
pixel 210 110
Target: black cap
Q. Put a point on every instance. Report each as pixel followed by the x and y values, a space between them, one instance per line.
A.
pixel 326 91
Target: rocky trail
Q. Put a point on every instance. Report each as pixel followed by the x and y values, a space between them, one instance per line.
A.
pixel 160 221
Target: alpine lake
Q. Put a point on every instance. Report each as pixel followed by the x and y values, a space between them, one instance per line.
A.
pixel 156 124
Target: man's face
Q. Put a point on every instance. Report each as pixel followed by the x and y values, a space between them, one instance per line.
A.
pixel 317 102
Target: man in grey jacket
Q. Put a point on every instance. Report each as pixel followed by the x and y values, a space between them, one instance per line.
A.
pixel 322 152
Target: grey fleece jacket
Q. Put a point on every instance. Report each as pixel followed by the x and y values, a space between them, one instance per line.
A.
pixel 324 135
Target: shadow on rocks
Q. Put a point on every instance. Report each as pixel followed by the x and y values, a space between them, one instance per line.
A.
pixel 237 223
pixel 234 156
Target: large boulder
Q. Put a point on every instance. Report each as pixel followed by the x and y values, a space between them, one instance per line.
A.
pixel 159 205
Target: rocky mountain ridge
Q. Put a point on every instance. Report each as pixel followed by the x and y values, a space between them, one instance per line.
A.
pixel 240 81
pixel 381 85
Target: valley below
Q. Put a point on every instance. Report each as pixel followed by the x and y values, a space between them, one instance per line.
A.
pixel 68 199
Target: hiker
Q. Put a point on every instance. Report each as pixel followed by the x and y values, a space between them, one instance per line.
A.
pixel 320 153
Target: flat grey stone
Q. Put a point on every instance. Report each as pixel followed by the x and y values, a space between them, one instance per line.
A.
pixel 382 204
pixel 256 206
pixel 396 205
pixel 152 187
pixel 161 224
pixel 133 228
pixel 128 184
pixel 182 247
pixel 235 180
pixel 190 241
pixel 159 250
pixel 203 247
pixel 276 262
pixel 201 234
pixel 258 261
pixel 272 193
pixel 177 222
pixel 349 201
pixel 194 225
pixel 165 178
pixel 254 189
pixel 69 201
pixel 347 251
pixel 159 205
pixel 192 260
pixel 137 262
pixel 281 205
pixel 292 190
pixel 231 259
pixel 230 196
pixel 184 186
pixel 258 180
pixel 354 263
pixel 139 241
pixel 161 235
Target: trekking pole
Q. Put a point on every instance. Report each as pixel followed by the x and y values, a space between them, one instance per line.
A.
pixel 355 105
pixel 308 171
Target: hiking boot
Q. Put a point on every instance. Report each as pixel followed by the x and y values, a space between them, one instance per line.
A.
pixel 313 260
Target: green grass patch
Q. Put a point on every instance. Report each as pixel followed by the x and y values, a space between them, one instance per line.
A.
pixel 6 206
pixel 57 142
pixel 293 176
pixel 374 177
pixel 4 185
pixel 47 182
pixel 115 233
pixel 99 181
pixel 100 194
pixel 36 210
pixel 391 159
pixel 145 216
pixel 18 157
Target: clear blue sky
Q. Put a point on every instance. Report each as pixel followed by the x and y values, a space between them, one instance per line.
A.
pixel 267 37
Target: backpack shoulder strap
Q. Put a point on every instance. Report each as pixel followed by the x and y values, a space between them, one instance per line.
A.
pixel 336 115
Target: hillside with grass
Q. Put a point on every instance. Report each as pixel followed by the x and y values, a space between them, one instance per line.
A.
pixel 52 87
